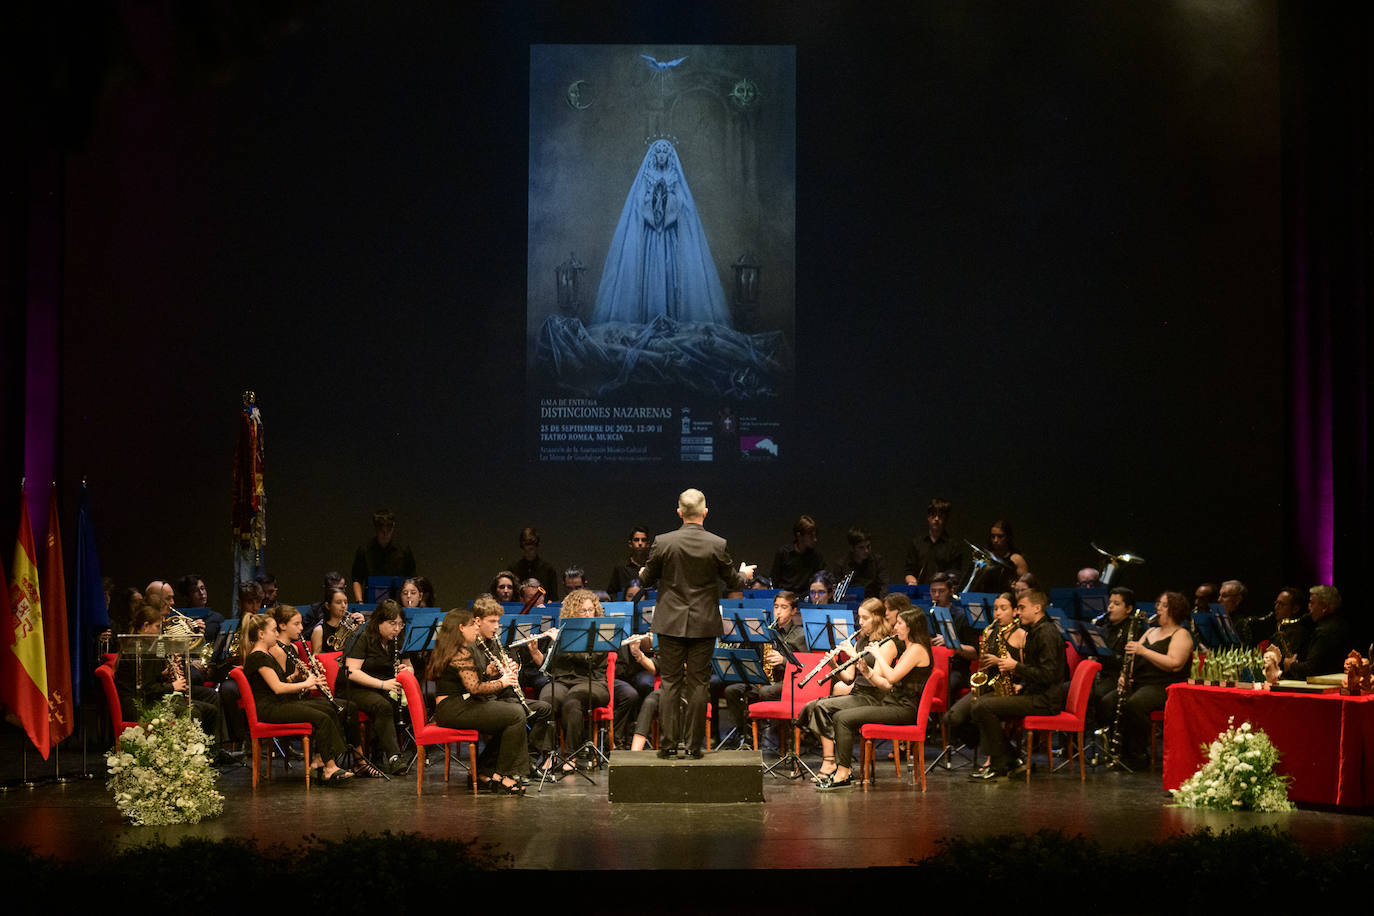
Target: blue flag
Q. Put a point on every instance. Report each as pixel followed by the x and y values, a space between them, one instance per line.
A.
pixel 92 616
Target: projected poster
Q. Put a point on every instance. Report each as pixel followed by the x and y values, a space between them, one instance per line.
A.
pixel 662 255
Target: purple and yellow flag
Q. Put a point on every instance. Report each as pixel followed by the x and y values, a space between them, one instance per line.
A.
pixel 23 668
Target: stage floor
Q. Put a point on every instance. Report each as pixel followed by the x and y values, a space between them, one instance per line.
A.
pixel 572 825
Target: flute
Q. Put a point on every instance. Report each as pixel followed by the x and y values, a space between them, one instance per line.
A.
pixel 855 660
pixel 825 660
pixel 534 637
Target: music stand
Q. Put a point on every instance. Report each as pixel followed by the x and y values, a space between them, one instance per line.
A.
pixel 583 636
pixel 748 626
pixel 795 764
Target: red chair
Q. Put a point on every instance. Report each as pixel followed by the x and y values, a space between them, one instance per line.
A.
pixel 935 686
pixel 1156 717
pixel 330 661
pixel 784 707
pixel 259 730
pixel 603 717
pixel 1072 657
pixel 427 733
pixel 1071 720
pixel 105 674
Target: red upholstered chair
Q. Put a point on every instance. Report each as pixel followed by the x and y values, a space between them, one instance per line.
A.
pixel 1156 717
pixel 1072 657
pixel 427 733
pixel 603 717
pixel 330 661
pixel 782 708
pixel 1071 720
pixel 916 733
pixel 104 673
pixel 259 730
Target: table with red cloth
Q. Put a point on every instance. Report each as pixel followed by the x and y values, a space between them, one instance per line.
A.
pixel 1325 741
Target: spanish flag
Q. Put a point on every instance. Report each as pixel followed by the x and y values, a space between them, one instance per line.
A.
pixel 23 671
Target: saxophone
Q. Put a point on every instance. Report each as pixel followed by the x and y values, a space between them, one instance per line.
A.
pixel 999 684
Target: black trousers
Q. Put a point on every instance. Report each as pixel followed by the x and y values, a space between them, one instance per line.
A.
pixel 684 669
pixel 847 723
pixel 323 719
pixel 380 709
pixel 504 721
pixel 1135 716
pixel 570 698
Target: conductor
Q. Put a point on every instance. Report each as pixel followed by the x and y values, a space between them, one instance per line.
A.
pixel 689 564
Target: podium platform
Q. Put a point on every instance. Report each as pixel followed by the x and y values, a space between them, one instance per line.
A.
pixel 721 777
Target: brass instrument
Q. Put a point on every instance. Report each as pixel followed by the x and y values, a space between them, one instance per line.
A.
pixel 181 626
pixel 1113 563
pixel 999 684
pixel 347 627
pixel 1285 636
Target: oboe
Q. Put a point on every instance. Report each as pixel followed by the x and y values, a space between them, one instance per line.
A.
pixel 506 663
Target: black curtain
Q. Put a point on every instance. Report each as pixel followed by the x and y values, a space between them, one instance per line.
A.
pixel 1326 81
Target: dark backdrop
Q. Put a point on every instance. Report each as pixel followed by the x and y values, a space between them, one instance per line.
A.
pixel 1038 273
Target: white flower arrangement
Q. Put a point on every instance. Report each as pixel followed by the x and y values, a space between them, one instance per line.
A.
pixel 160 772
pixel 1238 775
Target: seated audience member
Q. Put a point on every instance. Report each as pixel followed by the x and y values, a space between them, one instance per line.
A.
pixel 381 556
pixel 1161 657
pixel 505 588
pixel 1039 676
pixel 866 565
pixel 787 627
pixel 532 566
pixel 794 564
pixel 624 581
pixel 1328 644
pixel 935 550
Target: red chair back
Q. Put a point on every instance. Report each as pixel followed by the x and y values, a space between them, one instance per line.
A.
pixel 1081 687
pixel 247 702
pixel 935 687
pixel 105 675
pixel 940 702
pixel 1072 657
pixel 415 699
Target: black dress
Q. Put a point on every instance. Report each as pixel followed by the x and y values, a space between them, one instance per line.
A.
pixel 281 708
pixel 378 662
pixel 469 702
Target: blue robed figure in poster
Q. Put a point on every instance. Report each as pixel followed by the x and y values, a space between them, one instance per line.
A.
pixel 659 263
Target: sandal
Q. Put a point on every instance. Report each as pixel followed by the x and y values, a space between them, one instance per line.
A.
pixel 823 775
pixel 833 783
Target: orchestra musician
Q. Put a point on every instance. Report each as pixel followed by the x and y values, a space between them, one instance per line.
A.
pixel 577 680
pixel 818 716
pixel 335 610
pixel 902 683
pixel 466 700
pixel 368 677
pixel 205 702
pixel 1161 657
pixel 788 628
pixel 1003 621
pixel 486 653
pixel 279 700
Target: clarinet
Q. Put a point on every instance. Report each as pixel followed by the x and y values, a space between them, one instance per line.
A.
pixel 294 658
pixel 506 662
pixel 398 695
pixel 317 668
pixel 1127 672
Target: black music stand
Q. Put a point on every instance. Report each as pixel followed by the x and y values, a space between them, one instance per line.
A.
pixel 583 636
pixel 795 765
pixel 750 628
